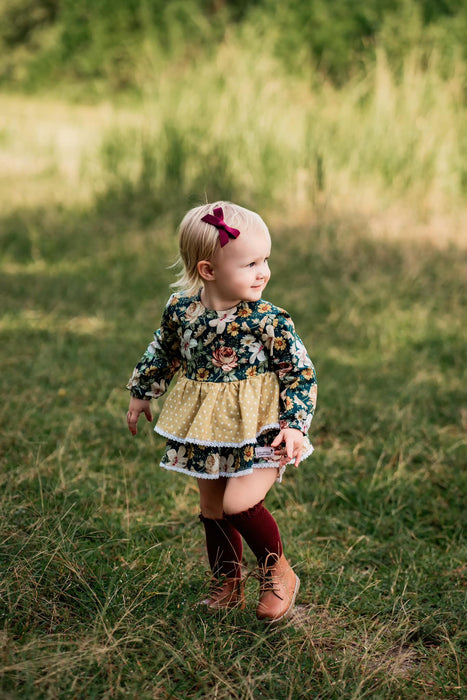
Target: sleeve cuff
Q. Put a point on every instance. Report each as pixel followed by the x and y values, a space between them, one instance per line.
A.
pixel 292 424
pixel 138 393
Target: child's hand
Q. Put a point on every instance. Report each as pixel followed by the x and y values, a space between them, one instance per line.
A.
pixel 293 439
pixel 136 407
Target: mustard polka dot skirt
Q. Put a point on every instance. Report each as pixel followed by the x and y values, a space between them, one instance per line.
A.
pixel 216 429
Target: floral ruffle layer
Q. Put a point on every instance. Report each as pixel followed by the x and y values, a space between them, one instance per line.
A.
pixel 207 462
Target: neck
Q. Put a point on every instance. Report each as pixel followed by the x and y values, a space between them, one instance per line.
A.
pixel 211 300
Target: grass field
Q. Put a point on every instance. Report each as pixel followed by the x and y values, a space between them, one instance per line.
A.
pixel 102 558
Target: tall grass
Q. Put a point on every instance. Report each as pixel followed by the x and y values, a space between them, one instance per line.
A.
pixel 393 137
pixel 221 128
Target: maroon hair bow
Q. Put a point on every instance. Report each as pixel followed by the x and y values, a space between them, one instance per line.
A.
pixel 217 220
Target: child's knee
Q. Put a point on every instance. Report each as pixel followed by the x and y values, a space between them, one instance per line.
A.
pixel 245 492
pixel 231 506
pixel 212 511
pixel 237 501
pixel 211 495
pixel 211 505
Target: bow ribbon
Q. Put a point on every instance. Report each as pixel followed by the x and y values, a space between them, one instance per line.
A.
pixel 217 220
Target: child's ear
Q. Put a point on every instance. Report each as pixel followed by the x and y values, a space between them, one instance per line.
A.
pixel 205 270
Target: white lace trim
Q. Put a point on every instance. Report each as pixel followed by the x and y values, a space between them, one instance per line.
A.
pixel 203 475
pixel 212 443
pixel 256 465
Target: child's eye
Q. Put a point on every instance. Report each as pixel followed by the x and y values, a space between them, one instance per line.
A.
pixel 252 264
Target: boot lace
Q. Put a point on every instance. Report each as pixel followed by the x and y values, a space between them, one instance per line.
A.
pixel 265 576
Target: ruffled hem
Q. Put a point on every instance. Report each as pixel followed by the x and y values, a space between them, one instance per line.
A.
pixel 203 475
pixel 241 472
pixel 212 443
pixel 245 472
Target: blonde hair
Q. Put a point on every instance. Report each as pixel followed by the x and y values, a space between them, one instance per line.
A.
pixel 199 240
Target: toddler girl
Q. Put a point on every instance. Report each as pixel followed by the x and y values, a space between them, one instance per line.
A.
pixel 243 402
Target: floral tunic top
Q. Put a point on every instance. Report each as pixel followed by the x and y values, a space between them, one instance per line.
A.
pixel 243 374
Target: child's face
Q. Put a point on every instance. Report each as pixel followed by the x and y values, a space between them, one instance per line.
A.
pixel 241 268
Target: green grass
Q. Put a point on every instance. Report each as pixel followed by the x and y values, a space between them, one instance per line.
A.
pixel 102 558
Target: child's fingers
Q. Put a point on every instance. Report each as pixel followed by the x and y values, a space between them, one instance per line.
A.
pixel 132 420
pixel 296 455
pixel 148 414
pixel 294 450
pixel 278 439
pixel 135 409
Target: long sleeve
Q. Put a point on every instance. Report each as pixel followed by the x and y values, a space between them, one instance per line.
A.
pixel 153 373
pixel 296 374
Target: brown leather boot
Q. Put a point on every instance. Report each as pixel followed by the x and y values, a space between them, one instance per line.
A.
pixel 279 586
pixel 225 593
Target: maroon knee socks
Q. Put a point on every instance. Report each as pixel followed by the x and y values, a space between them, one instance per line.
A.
pixel 224 539
pixel 225 547
pixel 259 530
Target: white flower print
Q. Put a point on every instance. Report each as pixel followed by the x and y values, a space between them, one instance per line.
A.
pixel 223 317
pixel 177 457
pixel 212 463
pixel 157 389
pixel 255 348
pixel 226 464
pixel 187 344
pixel 134 379
pixel 257 353
pixel 301 415
pixel 307 423
pixel 248 339
pixel 303 420
pixel 152 347
pixel 268 337
pixel 194 311
pixel 301 355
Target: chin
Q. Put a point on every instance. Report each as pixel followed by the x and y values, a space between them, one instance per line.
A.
pixel 256 294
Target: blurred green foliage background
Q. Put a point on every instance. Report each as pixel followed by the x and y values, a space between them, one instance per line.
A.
pixel 121 42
